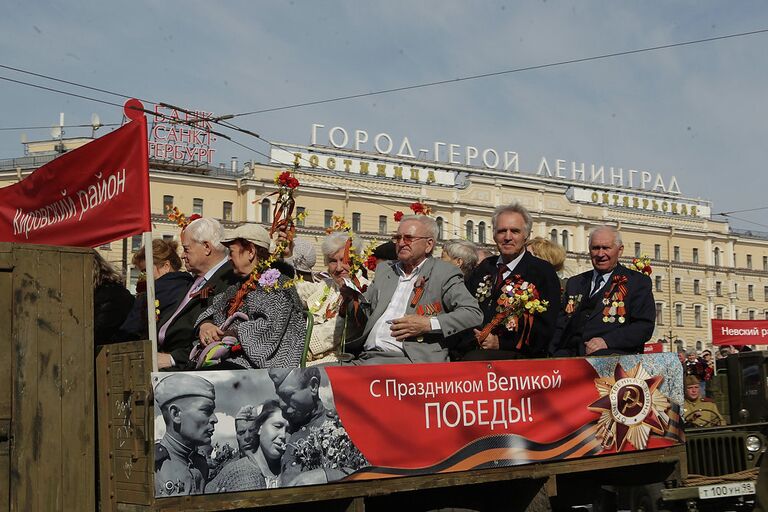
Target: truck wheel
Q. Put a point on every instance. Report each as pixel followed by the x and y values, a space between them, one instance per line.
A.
pixel 646 498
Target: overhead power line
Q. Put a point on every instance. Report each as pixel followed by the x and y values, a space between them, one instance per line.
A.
pixel 504 72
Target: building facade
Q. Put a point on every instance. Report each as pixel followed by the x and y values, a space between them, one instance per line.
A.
pixel 702 269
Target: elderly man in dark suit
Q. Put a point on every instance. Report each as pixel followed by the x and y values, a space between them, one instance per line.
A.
pixel 206 258
pixel 511 228
pixel 413 304
pixel 607 310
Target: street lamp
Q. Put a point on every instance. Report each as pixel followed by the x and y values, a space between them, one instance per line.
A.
pixel 672 339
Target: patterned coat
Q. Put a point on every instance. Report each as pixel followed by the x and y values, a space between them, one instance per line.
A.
pixel 273 336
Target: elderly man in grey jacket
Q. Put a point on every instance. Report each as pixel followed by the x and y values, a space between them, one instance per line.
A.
pixel 413 305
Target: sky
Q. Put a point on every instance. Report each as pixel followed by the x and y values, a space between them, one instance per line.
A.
pixel 695 112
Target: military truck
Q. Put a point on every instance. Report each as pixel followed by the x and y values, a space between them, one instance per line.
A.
pixel 54 393
pixel 722 460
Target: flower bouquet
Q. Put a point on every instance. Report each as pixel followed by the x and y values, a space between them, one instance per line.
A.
pixel 515 309
pixel 328 446
pixel 641 264
pixel 417 208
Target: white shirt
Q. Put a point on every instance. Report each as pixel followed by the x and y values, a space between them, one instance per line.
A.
pixel 208 275
pixel 380 337
pixel 511 265
pixel 605 279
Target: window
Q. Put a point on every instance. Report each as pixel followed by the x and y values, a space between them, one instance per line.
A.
pixel 659 313
pixel 696 287
pixel 564 238
pixel 356 222
pixel 226 213
pixel 677 252
pixel 678 285
pixel 735 288
pixel 717 256
pixel 133 278
pixel 382 224
pixel 440 233
pixel 679 346
pixel 749 261
pixel 765 291
pixel 197 206
pixel 135 243
pixel 481 232
pixel 328 218
pixel 470 234
pixel 734 259
pixel 679 315
pixel 637 250
pixel 719 312
pixel 167 203
pixel 265 207
pixel 167 238
pixel 657 252
pixel 105 247
pixel 696 256
pixel 737 314
pixel 750 292
pixel 718 288
pixel 765 262
pixel 658 283
pixel 766 314
pixel 751 314
pixel 553 236
pixel 697 315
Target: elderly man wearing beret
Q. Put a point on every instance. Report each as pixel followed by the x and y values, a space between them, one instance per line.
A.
pixel 187 403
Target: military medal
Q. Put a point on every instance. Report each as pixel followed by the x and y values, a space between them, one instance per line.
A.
pixel 613 300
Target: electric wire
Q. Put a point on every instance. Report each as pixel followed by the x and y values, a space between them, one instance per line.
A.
pixel 504 72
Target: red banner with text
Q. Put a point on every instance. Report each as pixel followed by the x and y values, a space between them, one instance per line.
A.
pixel 87 197
pixel 320 425
pixel 740 332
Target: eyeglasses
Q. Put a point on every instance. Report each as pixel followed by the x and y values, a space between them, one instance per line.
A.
pixel 408 239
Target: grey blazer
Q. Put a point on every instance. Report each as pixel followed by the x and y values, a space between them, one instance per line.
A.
pixel 445 297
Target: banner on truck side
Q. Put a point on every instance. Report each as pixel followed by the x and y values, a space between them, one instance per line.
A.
pixel 87 197
pixel 225 431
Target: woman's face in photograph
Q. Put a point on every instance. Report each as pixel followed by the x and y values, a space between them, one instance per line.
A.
pixel 273 435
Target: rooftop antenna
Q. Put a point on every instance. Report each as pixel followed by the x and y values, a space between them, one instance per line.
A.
pixel 57 132
pixel 95 124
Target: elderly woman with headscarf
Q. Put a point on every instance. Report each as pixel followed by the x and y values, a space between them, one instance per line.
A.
pixel 258 323
pixel 322 299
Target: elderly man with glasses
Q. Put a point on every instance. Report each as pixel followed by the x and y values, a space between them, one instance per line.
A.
pixel 413 304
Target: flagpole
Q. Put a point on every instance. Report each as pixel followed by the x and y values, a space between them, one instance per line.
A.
pixel 151 318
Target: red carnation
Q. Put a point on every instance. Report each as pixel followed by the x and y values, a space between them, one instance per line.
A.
pixel 647 270
pixel 236 349
pixel 370 262
pixel 398 215
pixel 417 208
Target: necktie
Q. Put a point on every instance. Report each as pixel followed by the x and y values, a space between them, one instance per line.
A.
pixel 598 284
pixel 502 268
pixel 199 283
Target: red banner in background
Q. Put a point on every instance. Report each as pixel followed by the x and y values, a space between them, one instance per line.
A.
pixel 653 348
pixel 87 197
pixel 740 332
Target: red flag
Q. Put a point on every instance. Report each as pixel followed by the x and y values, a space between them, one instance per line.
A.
pixel 87 197
pixel 739 332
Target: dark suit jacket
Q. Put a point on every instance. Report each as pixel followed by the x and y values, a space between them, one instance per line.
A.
pixel 180 335
pixel 444 286
pixel 622 338
pixel 533 270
